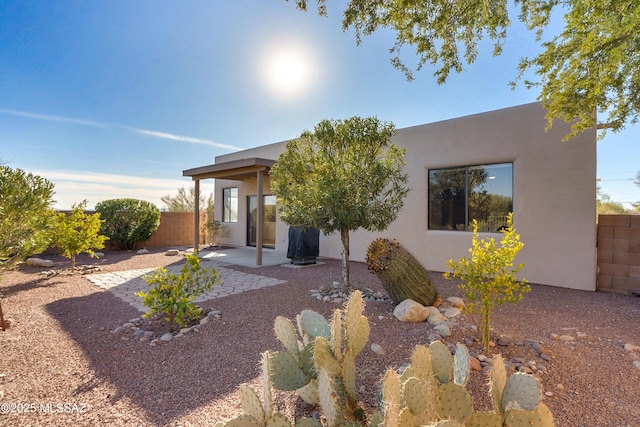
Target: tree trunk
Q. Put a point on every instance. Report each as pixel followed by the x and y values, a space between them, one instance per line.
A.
pixel 344 235
pixel 2 325
pixel 73 263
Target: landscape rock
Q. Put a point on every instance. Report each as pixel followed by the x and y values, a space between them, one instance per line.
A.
pixel 538 348
pixel 39 262
pixel 411 311
pixel 142 251
pixel 631 347
pixel 475 364
pixel 377 349
pixel 442 330
pixel 566 338
pixel 98 255
pixel 636 364
pixel 172 252
pixel 166 337
pixel 456 302
pixel 452 312
pixel 437 318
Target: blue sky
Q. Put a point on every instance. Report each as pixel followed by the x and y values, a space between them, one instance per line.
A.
pixel 115 99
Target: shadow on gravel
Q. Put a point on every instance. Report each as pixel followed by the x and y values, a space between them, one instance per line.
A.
pixel 172 379
pixel 40 282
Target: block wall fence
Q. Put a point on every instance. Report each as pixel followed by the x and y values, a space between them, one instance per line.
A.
pixel 619 254
pixel 176 229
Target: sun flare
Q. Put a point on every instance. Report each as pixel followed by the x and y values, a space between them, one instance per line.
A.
pixel 288 71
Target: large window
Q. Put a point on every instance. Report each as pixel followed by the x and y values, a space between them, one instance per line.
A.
pixel 457 196
pixel 230 204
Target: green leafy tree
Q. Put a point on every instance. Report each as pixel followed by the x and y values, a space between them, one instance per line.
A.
pixel 78 232
pixel 591 65
pixel 128 221
pixel 344 176
pixel 173 294
pixel 26 215
pixel 489 275
pixel 184 201
pixel 25 218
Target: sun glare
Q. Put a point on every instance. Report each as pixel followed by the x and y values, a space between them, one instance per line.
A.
pixel 288 71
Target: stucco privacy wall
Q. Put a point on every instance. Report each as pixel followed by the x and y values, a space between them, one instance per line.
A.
pixel 554 193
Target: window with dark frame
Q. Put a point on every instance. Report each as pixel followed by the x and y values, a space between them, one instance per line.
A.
pixel 459 195
pixel 230 204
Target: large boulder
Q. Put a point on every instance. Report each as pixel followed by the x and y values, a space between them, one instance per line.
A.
pixel 411 311
pixel 39 262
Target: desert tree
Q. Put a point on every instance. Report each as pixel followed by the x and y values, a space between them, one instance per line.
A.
pixel 343 176
pixel 184 201
pixel 25 218
pixel 77 231
pixel 26 215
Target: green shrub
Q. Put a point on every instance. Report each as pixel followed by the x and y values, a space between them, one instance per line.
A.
pixel 173 294
pixel 215 230
pixel 128 222
pixel 489 275
pixel 77 232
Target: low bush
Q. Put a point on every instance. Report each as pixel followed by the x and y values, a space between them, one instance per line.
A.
pixel 489 275
pixel 128 222
pixel 173 294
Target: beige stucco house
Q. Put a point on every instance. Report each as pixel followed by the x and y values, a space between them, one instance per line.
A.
pixel 480 166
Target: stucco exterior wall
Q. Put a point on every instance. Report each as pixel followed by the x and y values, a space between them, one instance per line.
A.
pixel 554 193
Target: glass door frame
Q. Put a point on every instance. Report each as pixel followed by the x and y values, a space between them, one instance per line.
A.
pixel 252 203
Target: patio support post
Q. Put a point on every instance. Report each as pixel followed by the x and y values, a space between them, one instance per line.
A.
pixel 259 220
pixel 196 217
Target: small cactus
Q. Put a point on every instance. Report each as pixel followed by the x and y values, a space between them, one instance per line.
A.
pixel 424 394
pixel 260 414
pixel 401 274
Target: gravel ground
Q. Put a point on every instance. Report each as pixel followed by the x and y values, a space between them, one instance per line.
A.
pixel 62 366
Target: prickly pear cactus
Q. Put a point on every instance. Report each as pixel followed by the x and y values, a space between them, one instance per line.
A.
pixel 424 394
pixel 440 361
pixel 497 381
pixel 401 274
pixel 539 417
pixel 295 370
pixel 260 414
pixel 461 367
pixel 454 403
pixel 313 325
pixel 428 392
pixel 522 392
pixel 337 358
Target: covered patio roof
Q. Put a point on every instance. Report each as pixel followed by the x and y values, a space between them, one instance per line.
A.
pixel 234 170
pixel 238 170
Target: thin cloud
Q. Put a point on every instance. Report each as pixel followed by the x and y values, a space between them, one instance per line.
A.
pixel 146 132
pixel 74 186
pixel 82 177
pixel 188 139
pixel 51 118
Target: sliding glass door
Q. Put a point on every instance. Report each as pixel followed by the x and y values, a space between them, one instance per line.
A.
pixel 268 225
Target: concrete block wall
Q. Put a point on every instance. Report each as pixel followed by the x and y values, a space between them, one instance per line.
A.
pixel 619 254
pixel 176 229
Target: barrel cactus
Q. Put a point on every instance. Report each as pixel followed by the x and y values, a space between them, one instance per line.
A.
pixel 401 273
